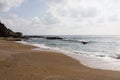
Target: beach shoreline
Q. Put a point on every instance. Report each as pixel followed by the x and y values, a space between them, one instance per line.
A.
pixel 20 62
pixel 97 61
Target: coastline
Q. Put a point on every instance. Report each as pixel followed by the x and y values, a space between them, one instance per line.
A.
pixel 92 61
pixel 20 62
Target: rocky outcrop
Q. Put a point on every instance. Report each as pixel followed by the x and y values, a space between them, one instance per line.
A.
pixel 3 30
pixel 54 38
pixel 18 35
pixel 6 32
pixel 83 42
pixel 46 37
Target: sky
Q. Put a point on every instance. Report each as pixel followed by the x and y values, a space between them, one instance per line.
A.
pixel 62 17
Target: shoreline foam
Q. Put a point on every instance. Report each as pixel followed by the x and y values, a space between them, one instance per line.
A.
pixel 45 65
pixel 88 61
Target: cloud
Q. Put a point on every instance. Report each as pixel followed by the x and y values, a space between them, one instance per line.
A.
pixel 50 19
pixel 82 16
pixel 85 17
pixel 6 5
pixel 83 8
pixel 69 12
pixel 15 22
pixel 27 26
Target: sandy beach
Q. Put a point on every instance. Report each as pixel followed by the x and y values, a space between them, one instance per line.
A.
pixel 19 62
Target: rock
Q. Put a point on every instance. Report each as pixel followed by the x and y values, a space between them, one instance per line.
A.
pixel 33 36
pixel 6 32
pixel 18 35
pixel 54 38
pixel 3 30
pixel 45 37
pixel 118 57
pixel 83 42
pixel 10 33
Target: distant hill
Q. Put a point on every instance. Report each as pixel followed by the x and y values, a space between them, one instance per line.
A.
pixel 6 32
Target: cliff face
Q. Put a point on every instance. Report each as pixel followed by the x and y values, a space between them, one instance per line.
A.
pixel 5 32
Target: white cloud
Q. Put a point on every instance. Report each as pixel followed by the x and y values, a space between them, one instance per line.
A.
pixel 19 24
pixel 6 5
pixel 15 22
pixel 86 17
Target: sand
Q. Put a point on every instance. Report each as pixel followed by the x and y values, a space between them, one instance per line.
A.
pixel 20 62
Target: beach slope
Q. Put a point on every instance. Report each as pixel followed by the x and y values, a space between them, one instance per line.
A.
pixel 19 62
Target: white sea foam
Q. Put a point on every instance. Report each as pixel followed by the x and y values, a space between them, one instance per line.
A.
pixel 23 42
pixel 97 60
pixel 106 64
pixel 40 46
pixel 92 61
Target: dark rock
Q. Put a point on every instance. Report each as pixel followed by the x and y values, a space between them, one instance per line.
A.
pixel 10 33
pixel 54 38
pixel 18 35
pixel 118 57
pixel 44 37
pixel 3 30
pixel 33 36
pixel 6 32
pixel 83 42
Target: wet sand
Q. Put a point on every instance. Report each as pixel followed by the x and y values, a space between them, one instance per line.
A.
pixel 19 62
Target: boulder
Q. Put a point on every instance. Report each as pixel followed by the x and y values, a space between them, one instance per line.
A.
pixel 83 42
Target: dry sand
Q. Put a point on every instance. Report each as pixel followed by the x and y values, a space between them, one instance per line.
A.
pixel 19 62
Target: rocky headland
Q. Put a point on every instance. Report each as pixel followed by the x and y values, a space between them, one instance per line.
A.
pixel 9 34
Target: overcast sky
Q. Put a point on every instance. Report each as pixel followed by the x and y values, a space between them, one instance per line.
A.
pixel 62 17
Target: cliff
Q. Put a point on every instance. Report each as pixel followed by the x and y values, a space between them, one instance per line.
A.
pixel 6 32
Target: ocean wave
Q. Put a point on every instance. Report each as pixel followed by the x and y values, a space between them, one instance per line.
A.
pixel 82 41
pixel 102 53
pixel 77 41
pixel 98 55
pixel 91 59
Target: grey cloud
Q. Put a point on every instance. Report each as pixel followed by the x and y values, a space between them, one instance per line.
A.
pixel 114 18
pixel 77 13
pixel 6 5
pixel 3 7
pixel 89 12
pixel 54 1
pixel 85 13
pixel 50 19
pixel 85 16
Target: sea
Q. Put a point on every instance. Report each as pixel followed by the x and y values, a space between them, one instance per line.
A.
pixel 100 52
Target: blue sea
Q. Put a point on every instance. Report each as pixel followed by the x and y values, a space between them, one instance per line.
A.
pixel 101 52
